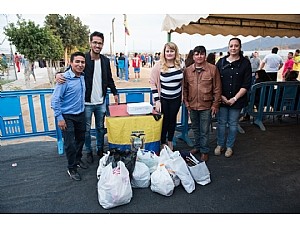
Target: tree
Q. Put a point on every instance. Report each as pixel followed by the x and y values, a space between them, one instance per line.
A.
pixel 34 42
pixel 73 33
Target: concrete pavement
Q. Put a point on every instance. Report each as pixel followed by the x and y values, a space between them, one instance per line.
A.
pixel 19 79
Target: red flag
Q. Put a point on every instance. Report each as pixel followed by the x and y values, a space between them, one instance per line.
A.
pixel 126 26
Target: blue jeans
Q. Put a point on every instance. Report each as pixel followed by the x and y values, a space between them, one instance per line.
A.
pixel 99 111
pixel 227 116
pixel 122 74
pixel 200 125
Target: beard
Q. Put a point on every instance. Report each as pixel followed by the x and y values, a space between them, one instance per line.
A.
pixel 96 51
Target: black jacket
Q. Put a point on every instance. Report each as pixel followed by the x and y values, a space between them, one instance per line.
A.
pixel 234 76
pixel 107 80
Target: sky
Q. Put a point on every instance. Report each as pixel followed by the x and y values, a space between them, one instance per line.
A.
pixel 145 32
pixel 144 22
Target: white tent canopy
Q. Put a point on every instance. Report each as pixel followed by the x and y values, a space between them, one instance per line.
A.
pixel 282 25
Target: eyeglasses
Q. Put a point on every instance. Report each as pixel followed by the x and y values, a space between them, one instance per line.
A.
pixel 96 43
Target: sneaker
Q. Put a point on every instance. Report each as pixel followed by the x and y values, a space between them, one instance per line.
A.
pixel 89 158
pixel 100 153
pixel 228 152
pixel 82 165
pixel 74 174
pixel 218 150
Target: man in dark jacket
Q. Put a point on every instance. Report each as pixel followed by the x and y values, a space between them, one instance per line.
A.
pixel 98 78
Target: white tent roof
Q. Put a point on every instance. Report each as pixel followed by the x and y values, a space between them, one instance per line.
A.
pixel 234 24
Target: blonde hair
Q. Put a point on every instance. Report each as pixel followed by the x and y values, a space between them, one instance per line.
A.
pixel 163 62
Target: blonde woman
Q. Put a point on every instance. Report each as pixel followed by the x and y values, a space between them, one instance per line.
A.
pixel 166 84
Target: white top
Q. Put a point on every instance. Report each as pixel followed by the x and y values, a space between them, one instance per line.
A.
pixel 97 93
pixel 272 62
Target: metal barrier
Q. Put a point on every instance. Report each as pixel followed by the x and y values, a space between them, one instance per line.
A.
pixel 27 113
pixel 273 98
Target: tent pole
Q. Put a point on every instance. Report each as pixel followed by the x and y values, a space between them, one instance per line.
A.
pixel 169 37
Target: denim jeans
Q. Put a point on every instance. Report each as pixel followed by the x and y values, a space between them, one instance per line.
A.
pixel 122 74
pixel 99 112
pixel 227 116
pixel 200 125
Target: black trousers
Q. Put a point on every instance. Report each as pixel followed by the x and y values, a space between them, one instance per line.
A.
pixel 169 109
pixel 273 76
pixel 74 137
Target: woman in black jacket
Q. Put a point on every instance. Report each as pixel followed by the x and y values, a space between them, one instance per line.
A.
pixel 235 71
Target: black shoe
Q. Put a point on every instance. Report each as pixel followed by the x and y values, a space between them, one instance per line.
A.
pixel 74 174
pixel 100 153
pixel 89 158
pixel 82 165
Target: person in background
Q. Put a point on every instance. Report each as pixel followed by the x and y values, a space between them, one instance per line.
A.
pixel 189 59
pixel 98 78
pixel 136 64
pixel 219 56
pixel 166 85
pixel 292 76
pixel 143 59
pixel 32 72
pixel 17 61
pixel 150 60
pixel 255 64
pixel 211 58
pixel 67 102
pixel 272 63
pixel 3 64
pixel 236 74
pixel 202 98
pixel 296 66
pixel 121 65
pixel 116 64
pixel 288 65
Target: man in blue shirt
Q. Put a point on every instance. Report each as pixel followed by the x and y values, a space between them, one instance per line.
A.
pixel 68 104
pixel 98 78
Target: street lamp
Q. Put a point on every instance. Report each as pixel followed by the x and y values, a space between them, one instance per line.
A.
pixel 110 46
pixel 113 35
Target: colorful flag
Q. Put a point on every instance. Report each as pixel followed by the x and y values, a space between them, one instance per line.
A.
pixel 126 26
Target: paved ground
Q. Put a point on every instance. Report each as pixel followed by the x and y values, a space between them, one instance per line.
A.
pixel 263 176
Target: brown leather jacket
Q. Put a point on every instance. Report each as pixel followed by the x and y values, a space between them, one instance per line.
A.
pixel 202 90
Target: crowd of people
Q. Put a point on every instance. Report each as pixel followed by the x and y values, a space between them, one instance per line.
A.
pixel 209 86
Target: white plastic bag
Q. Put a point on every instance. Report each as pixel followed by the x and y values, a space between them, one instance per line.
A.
pixel 164 154
pixel 161 182
pixel 181 170
pixel 102 164
pixel 140 176
pixel 200 172
pixel 172 173
pixel 114 188
pixel 148 158
pixel 165 158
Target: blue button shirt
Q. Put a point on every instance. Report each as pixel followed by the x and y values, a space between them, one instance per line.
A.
pixel 68 98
